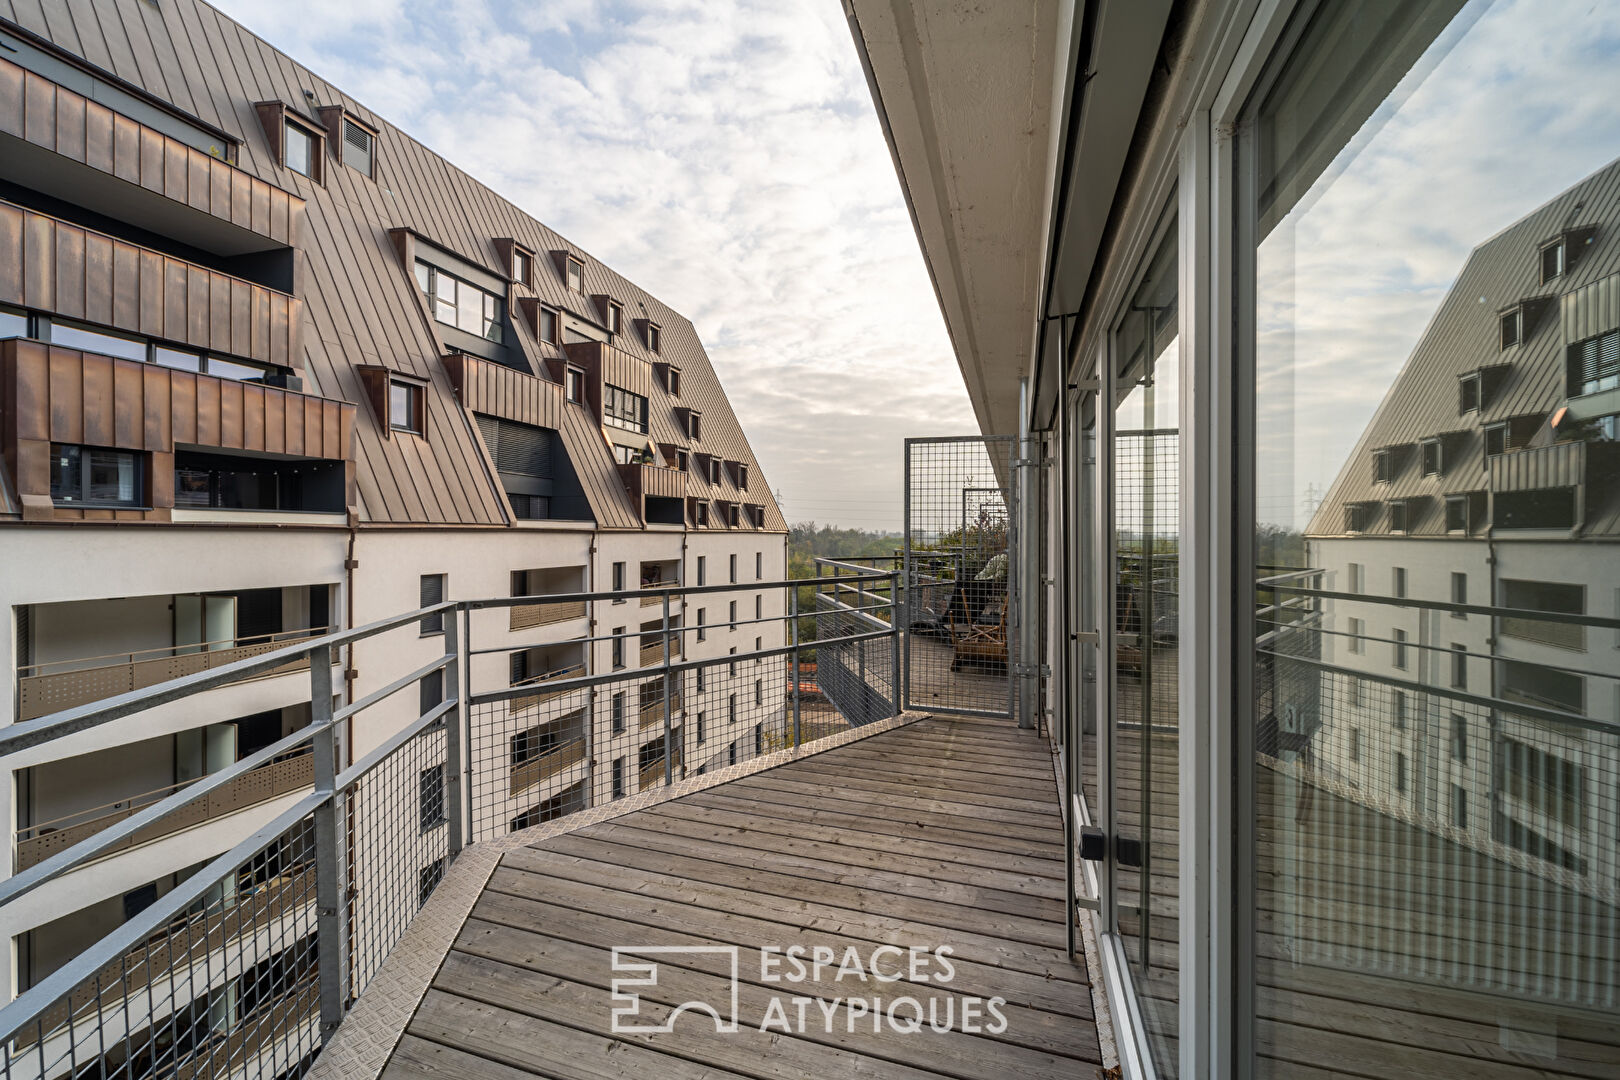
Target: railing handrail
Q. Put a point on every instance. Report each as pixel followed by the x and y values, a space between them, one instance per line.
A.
pixel 160 652
pixel 546 676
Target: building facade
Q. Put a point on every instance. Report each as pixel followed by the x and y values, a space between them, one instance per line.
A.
pixel 269 367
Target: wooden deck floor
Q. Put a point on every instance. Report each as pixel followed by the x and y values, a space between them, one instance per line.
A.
pixel 941 833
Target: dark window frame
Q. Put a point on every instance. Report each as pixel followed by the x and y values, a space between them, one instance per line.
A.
pixel 139 462
pixel 415 423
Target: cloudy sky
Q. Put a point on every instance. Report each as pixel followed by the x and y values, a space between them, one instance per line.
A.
pixel 725 156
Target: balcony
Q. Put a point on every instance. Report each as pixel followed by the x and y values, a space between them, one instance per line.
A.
pixel 527 616
pixel 653 655
pixel 546 750
pixel 64 396
pixel 50 687
pixel 1561 465
pixel 54 138
pixel 39 842
pixel 529 701
pixel 658 491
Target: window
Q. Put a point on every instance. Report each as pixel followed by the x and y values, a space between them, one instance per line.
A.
pixel 575 274
pixel 618 713
pixel 1547 508
pixel 523 268
pixel 1459 737
pixel 733 619
pixel 1355 745
pixel 694 430
pixel 732 754
pixel 430 592
pixel 759 643
pixel 1358 517
pixel 742 476
pixel 618 778
pixel 1397 582
pixel 427 879
pixel 702 728
pixel 1397 516
pixel 734 569
pixel 655 344
pixel 575 385
pixel 1383 466
pixel 759 739
pixel 1552 260
pixel 1594 364
pixel 1400 649
pixel 123 346
pixel 1459 807
pixel 702 682
pixel 461 304
pixel 731 709
pixel 702 620
pixel 1358 578
pixel 1459 592
pixel 429 692
pixel 88 476
pixel 1433 457
pixel 615 319
pixel 547 325
pixel 1560 597
pixel 618 647
pixel 1397 709
pixel 674 381
pixel 1457 513
pixel 759 607
pixel 404 407
pixel 1544 782
pixel 1400 773
pixel 430 798
pixel 1459 666
pixel 759 693
pixel 621 408
pixel 759 566
pixel 618 579
pixel 1469 394
pixel 298 150
pixel 700 514
pixel 731 668
pixel 1358 692
pixel 1512 323
pixel 1537 685
pixel 702 570
pixel 13 323
pixel 359 147
pixel 1497 439
pixel 1357 628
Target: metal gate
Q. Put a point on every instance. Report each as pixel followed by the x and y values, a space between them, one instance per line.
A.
pixel 960 571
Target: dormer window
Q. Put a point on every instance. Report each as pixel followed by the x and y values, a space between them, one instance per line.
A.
pixel 405 406
pixel 1512 327
pixel 299 149
pixel 714 470
pixel 1470 390
pixel 522 267
pixel 615 317
pixel 1397 516
pixel 575 273
pixel 459 303
pixel 683 461
pixel 1553 256
pixel 1459 513
pixel 742 476
pixel 1383 466
pixel 674 383
pixel 547 325
pixel 1496 440
pixel 359 147
pixel 694 430
pixel 574 385
pixel 700 514
pixel 655 341
pixel 734 515
pixel 1357 516
pixel 1434 463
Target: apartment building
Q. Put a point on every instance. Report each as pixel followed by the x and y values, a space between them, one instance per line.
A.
pixel 1301 319
pixel 269 367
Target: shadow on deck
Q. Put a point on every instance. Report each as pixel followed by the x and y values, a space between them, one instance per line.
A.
pixel 937 833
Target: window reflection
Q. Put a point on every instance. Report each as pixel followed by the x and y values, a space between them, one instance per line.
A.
pixel 1435 824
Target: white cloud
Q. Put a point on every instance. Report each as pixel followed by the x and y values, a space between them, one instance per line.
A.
pixel 724 155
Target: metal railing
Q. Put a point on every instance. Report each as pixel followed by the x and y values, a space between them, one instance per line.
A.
pixel 248 964
pixel 61 684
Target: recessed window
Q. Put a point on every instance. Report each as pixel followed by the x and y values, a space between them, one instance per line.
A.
pixel 298 149
pixel 1356 627
pixel 615 318
pixel 759 566
pixel 1469 394
pixel 700 514
pixel 459 303
pixel 1459 666
pixel 1459 737
pixel 89 476
pixel 430 592
pixel 1358 516
pixel 714 470
pixel 359 147
pixel 618 778
pixel 683 461
pixel 734 517
pixel 703 624
pixel 575 385
pixel 1457 513
pixel 618 579
pixel 575 271
pixel 618 713
pixel 655 344
pixel 1512 327
pixel 1459 592
pixel 702 570
pixel 1552 260
pixel 621 408
pixel 1357 575
pixel 1397 582
pixel 694 431
pixel 742 476
pixel 522 267
pixel 1400 662
pixel 1383 466
pixel 1397 516
pixel 1496 439
pixel 1433 457
pixel 734 573
pixel 618 647
pixel 405 406
pixel 548 325
pixel 1594 364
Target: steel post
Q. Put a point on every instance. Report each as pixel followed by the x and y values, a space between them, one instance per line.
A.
pixel 331 932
